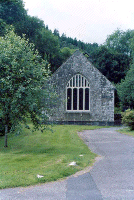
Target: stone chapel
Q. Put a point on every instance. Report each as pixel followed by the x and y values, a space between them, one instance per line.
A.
pixel 85 96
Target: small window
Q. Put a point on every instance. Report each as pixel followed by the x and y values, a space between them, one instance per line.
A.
pixel 78 94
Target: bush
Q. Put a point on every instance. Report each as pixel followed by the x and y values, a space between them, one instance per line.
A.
pixel 128 118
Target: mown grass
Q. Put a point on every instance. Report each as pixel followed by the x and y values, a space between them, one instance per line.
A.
pixel 48 154
pixel 127 131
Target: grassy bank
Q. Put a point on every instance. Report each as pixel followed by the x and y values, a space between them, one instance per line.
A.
pixel 127 131
pixel 48 154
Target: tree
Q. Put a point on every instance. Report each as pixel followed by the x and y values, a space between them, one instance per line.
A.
pixel 12 11
pixel 30 26
pixel 67 52
pixel 22 82
pixel 48 46
pixel 112 64
pixel 56 33
pixel 126 90
pixel 120 41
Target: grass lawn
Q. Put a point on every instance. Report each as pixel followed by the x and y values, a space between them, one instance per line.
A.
pixel 127 131
pixel 48 154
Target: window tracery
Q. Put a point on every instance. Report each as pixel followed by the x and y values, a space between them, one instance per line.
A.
pixel 78 94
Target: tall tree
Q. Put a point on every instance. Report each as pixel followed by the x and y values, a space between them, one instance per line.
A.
pixel 12 11
pixel 48 46
pixel 22 79
pixel 56 33
pixel 30 26
pixel 112 64
pixel 126 90
pixel 120 41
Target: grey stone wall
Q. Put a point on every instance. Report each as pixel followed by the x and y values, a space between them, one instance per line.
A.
pixel 101 92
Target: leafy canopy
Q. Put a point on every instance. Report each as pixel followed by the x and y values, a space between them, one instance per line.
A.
pixel 126 89
pixel 120 41
pixel 23 75
pixel 12 11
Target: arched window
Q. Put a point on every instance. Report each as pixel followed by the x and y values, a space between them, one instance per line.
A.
pixel 78 94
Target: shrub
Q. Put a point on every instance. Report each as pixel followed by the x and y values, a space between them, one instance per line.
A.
pixel 128 118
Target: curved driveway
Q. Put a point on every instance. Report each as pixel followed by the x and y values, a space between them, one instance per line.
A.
pixel 111 178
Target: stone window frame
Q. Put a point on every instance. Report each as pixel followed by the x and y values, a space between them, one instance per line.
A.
pixel 78 83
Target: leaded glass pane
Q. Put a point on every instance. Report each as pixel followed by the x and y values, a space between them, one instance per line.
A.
pixel 79 80
pixel 81 99
pixel 87 99
pixel 74 99
pixel 74 81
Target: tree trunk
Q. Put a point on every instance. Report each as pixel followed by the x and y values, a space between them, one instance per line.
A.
pixel 6 132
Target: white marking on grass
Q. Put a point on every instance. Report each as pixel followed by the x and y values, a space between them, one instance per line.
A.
pixel 39 176
pixel 72 163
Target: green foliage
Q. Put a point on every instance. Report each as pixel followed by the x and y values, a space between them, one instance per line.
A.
pixel 3 27
pixel 126 89
pixel 112 64
pixel 48 46
pixel 132 43
pixel 117 110
pixel 113 58
pixel 12 11
pixel 29 26
pixel 47 43
pixel 22 79
pixel 67 52
pixel 120 41
pixel 56 33
pixel 128 118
